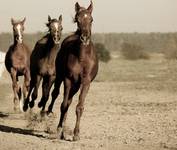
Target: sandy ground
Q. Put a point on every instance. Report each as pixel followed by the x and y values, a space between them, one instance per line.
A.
pixel 122 115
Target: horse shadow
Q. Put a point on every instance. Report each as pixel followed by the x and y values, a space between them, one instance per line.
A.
pixel 3 115
pixel 8 129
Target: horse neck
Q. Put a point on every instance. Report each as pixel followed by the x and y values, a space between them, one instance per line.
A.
pixel 51 48
pixel 15 43
pixel 83 49
pixel 50 43
pixel 78 32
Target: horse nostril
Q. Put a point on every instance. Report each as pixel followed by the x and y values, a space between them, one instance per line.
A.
pixel 55 38
pixel 82 38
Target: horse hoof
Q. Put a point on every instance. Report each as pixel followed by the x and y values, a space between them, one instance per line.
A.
pixel 49 113
pixel 49 109
pixel 25 107
pixel 31 104
pixel 60 133
pixel 40 104
pixel 42 113
pixel 76 138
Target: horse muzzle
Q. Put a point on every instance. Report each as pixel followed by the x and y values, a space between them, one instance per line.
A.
pixel 56 40
pixel 19 39
pixel 85 39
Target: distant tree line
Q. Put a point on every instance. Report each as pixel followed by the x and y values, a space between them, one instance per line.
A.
pixel 150 42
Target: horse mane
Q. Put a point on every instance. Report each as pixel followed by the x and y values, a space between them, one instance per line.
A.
pixel 44 39
pixel 78 32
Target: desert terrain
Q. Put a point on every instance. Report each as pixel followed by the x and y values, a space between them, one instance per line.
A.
pixel 132 105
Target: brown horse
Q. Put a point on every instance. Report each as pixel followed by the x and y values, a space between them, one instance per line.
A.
pixel 17 62
pixel 43 63
pixel 76 66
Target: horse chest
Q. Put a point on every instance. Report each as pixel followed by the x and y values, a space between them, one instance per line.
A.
pixel 82 69
pixel 19 60
pixel 47 68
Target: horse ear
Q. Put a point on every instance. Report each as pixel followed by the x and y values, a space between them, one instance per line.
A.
pixel 60 18
pixel 90 8
pixel 12 21
pixel 77 7
pixel 49 18
pixel 23 21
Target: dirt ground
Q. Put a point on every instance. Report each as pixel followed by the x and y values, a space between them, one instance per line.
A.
pixel 134 111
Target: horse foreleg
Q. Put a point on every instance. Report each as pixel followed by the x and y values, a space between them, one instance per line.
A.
pixel 35 91
pixel 80 108
pixel 26 86
pixel 64 106
pixel 74 89
pixel 15 87
pixel 55 94
pixel 26 102
pixel 47 84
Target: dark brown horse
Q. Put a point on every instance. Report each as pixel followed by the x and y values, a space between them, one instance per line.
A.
pixel 17 62
pixel 43 63
pixel 76 66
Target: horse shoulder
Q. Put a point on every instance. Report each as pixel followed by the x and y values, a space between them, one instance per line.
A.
pixel 70 38
pixel 38 48
pixel 8 59
pixel 27 49
pixel 42 40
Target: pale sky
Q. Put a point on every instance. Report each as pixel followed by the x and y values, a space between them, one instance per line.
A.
pixel 109 15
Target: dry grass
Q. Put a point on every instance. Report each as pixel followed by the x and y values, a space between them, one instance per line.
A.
pixel 155 69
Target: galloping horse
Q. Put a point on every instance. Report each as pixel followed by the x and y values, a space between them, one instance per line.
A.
pixel 17 62
pixel 76 66
pixel 43 63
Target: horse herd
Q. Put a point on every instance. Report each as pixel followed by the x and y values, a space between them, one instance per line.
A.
pixel 73 63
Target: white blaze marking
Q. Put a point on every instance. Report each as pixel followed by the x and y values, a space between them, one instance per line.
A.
pixel 19 33
pixel 21 105
pixel 56 26
pixel 85 16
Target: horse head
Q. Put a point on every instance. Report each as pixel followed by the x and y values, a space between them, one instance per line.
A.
pixel 18 29
pixel 55 28
pixel 84 19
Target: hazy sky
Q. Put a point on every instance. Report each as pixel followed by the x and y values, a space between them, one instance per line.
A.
pixel 109 15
